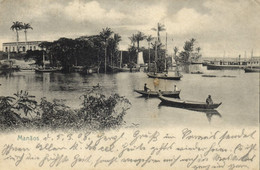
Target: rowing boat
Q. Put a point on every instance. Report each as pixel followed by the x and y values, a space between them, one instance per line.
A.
pixel 163 76
pixel 174 94
pixel 188 104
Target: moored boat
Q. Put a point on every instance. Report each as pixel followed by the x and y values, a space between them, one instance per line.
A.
pixel 196 72
pixel 252 70
pixel 174 94
pixel 164 76
pixel 187 104
pixel 124 69
pixel 42 70
pixel 223 67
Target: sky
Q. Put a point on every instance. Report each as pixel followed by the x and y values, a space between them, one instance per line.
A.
pixel 230 26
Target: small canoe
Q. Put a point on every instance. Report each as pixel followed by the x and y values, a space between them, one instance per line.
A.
pixel 188 104
pixel 174 94
pixel 208 75
pixel 196 72
pixel 164 76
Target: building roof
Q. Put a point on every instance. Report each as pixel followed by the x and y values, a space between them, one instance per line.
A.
pixel 28 42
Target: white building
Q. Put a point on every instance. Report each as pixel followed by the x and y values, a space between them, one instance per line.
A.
pixel 23 47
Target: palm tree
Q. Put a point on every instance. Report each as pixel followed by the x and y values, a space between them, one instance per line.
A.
pixel 116 40
pixel 26 26
pixel 17 26
pixel 105 34
pixel 139 37
pixel 149 39
pixel 133 39
pixel 160 27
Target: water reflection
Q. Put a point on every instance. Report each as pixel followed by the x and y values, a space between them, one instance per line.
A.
pixel 6 73
pixel 209 112
pixel 186 68
pixel 241 90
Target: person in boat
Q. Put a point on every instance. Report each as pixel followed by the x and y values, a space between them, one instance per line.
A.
pixel 209 100
pixel 146 88
pixel 175 88
pixel 156 83
pixel 178 73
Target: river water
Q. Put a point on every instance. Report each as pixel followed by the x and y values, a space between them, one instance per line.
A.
pixel 239 95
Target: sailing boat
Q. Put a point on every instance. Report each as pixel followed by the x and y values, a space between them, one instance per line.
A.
pixel 251 69
pixel 44 69
pixel 177 75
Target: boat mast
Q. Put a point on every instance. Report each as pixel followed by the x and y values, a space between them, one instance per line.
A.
pixel 224 57
pixel 251 58
pixel 165 66
pixel 43 60
pixel 120 59
pixel 239 56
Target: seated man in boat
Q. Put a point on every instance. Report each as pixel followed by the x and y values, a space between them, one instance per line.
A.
pixel 175 88
pixel 209 100
pixel 146 88
pixel 177 73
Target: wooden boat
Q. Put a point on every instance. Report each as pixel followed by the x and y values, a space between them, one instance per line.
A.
pixel 26 69
pixel 196 72
pixel 196 62
pixel 46 70
pixel 208 75
pixel 124 69
pixel 205 63
pixel 188 104
pixel 252 70
pixel 164 76
pixel 223 67
pixel 174 94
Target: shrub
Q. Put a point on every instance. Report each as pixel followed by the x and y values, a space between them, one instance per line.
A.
pixel 96 112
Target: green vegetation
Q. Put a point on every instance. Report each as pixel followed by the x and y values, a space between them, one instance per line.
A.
pixel 89 51
pixel 96 112
pixel 100 51
pixel 188 54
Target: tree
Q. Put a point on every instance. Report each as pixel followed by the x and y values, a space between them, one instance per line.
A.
pixel 105 34
pixel 188 49
pixel 139 37
pixel 160 27
pixel 17 26
pixel 113 45
pixel 175 53
pixel 198 49
pixel 133 39
pixel 26 26
pixel 45 45
pixel 149 39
